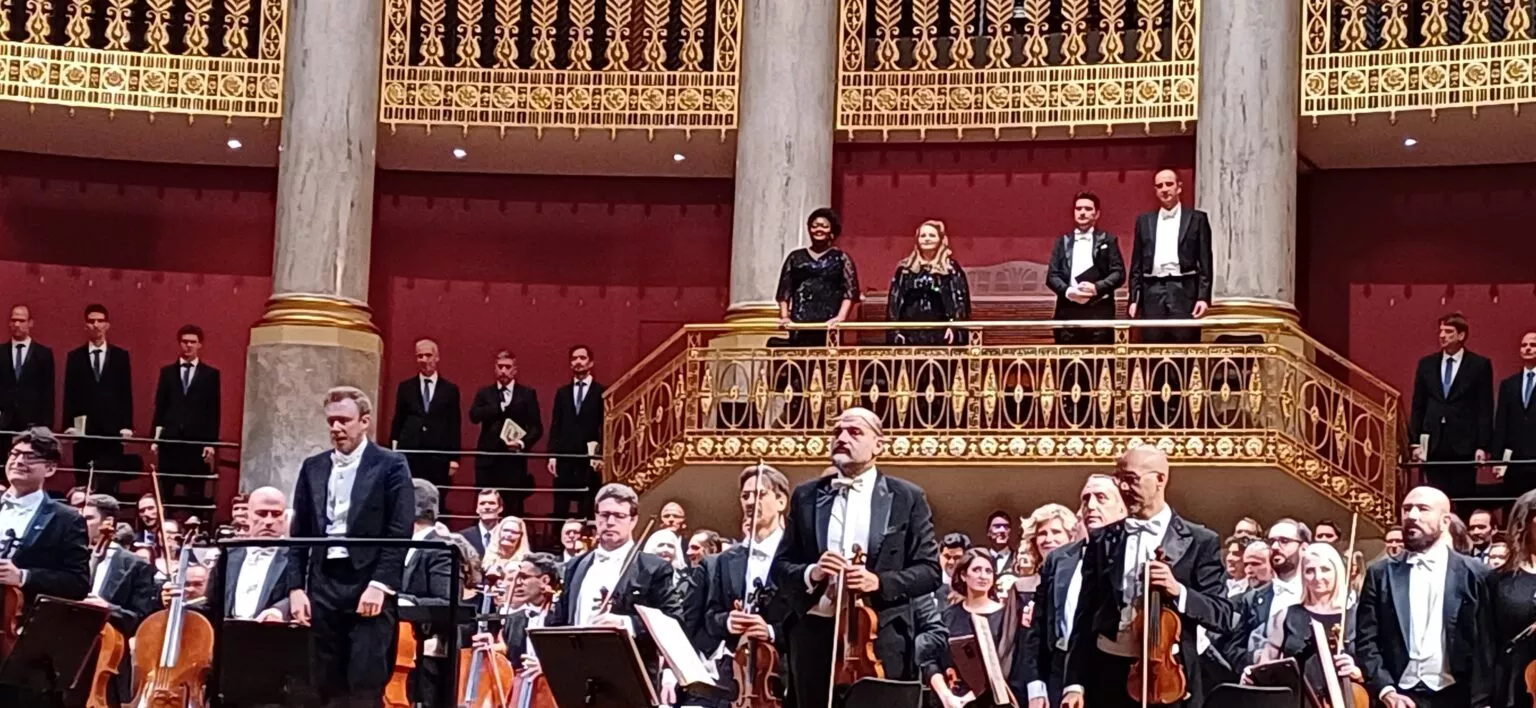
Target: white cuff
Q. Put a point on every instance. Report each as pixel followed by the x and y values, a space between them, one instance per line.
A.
pixel 773 637
pixel 1386 692
pixel 1183 598
pixel 810 587
pixel 1036 690
pixel 387 590
pixel 24 575
pixel 1074 688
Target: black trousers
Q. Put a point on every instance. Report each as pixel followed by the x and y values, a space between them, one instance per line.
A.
pixel 1170 299
pixel 505 472
pixel 184 460
pixel 1106 684
pixel 433 468
pixel 353 655
pixel 575 488
pixel 1101 310
pixel 1457 481
pixel 1454 696
pixel 810 658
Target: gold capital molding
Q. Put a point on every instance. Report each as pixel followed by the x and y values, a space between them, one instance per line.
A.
pixel 309 310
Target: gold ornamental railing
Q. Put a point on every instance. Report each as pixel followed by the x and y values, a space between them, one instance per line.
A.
pixel 995 65
pixel 196 57
pixel 1385 56
pixel 572 64
pixel 1252 401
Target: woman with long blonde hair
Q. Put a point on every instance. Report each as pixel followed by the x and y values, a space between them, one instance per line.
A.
pixel 929 286
pixel 1325 599
pixel 509 543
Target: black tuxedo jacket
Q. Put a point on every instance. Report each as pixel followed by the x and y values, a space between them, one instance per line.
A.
pixel 1193 551
pixel 1460 423
pixel 648 582
pixel 1384 625
pixel 727 586
pixel 26 399
pixel 1107 274
pixel 189 415
pixel 54 553
pixel 1194 250
pixel 418 427
pixel 130 590
pixel 486 411
pixel 472 534
pixel 1250 611
pixel 383 506
pixel 569 430
pixel 1514 423
pixel 107 404
pixel 428 573
pixel 274 587
pixel 1037 658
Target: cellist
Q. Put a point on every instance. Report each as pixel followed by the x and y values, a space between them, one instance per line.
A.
pixel 1118 560
pixel 121 582
pixel 859 506
pixel 533 590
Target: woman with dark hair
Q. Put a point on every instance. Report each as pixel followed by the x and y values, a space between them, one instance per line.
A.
pixel 1514 606
pixel 929 286
pixel 817 284
pixel 975 602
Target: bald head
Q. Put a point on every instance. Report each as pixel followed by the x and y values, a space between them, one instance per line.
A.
pixel 1142 475
pixel 1426 516
pixel 265 513
pixel 856 441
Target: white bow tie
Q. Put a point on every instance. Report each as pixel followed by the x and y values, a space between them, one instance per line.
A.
pixel 341 459
pixel 1080 236
pixel 1424 561
pixel 263 551
pixel 1139 526
pixel 840 484
pixel 602 556
pixel 759 554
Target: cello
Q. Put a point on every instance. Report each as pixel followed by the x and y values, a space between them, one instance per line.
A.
pixel 755 663
pixel 397 693
pixel 485 675
pixel 1157 677
pixel 111 647
pixel 174 647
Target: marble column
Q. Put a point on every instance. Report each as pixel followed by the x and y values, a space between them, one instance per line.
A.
pixel 317 331
pixel 1245 164
pixel 784 144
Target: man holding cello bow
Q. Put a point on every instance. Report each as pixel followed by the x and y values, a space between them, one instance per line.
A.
pixel 889 522
pixel 1157 558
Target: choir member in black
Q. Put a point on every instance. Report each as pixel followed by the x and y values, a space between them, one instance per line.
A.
pixel 1514 607
pixel 533 589
pixel 98 384
pixel 427 410
pixel 576 428
pixel 257 588
pixel 187 399
pixel 739 571
pixel 494 405
pixel 26 378
pixel 975 584
pixel 1425 619
pixel 1000 541
pixel 1086 268
pixel 121 582
pixel 703 547
pixel 51 557
pixel 1514 423
pixel 818 284
pixel 488 511
pixel 1325 600
pixel 951 549
pixel 929 286
pixel 428 580
pixel 1453 407
pixel 1116 560
pixel 347 595
pixel 1171 264
pixel 887 518
pixel 1040 662
pixel 591 576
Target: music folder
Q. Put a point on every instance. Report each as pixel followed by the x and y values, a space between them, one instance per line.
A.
pixel 265 664
pixel 678 652
pixel 511 432
pixel 593 667
pixel 56 641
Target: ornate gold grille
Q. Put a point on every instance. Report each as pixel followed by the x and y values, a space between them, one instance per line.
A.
pixel 958 65
pixel 1362 56
pixel 1250 402
pixel 199 57
pixel 575 64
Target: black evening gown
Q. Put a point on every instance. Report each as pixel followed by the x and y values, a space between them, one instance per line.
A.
pixel 1514 609
pixel 926 296
pixel 1297 643
pixel 815 289
pixel 957 620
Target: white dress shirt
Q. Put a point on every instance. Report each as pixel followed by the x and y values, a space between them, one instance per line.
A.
pixel 1426 612
pixel 535 621
pixel 417 535
pixel 338 495
pixel 602 574
pixel 19 357
pixel 1082 253
pixel 93 359
pixel 848 526
pixel 1165 249
pixel 251 579
pixel 1455 360
pixel 488 534
pixel 761 558
pixel 1066 615
pixel 16 512
pixel 99 577
pixel 427 386
pixel 192 373
pixel 580 389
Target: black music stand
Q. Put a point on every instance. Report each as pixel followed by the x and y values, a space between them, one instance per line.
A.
pixel 598 667
pixel 883 693
pixel 266 664
pixel 56 640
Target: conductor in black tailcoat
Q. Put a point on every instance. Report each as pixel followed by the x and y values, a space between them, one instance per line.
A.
pixel 1085 270
pixel 187 407
pixel 426 417
pixel 494 405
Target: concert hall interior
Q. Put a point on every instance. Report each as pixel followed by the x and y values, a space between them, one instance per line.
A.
pixel 646 315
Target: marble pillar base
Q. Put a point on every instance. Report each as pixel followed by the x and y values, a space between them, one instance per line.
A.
pixel 753 313
pixel 1253 307
pixel 288 370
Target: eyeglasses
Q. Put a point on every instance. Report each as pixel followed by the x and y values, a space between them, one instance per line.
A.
pixel 613 515
pixel 27 457
pixel 1282 541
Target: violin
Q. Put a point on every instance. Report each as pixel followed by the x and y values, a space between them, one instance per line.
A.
pixel 397 692
pixel 11 600
pixel 485 675
pixel 1359 697
pixel 856 626
pixel 174 650
pixel 1157 677
pixel 755 663
pixel 111 647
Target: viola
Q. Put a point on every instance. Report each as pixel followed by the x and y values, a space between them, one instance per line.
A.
pixel 755 664
pixel 397 692
pixel 174 651
pixel 111 647
pixel 485 675
pixel 857 625
pixel 11 600
pixel 1157 677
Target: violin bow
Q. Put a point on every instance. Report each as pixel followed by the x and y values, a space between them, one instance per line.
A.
pixel 90 479
pixel 1349 579
pixel 1146 629
pixel 154 487
pixel 757 485
pixel 840 586
pixel 629 560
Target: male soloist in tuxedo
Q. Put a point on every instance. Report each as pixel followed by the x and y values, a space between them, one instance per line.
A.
pixel 1453 406
pixel 1116 559
pixel 1425 618
pixel 647 582
pixel 1039 666
pixel 26 378
pixel 121 582
pixel 741 573
pixel 357 490
pixel 427 418
pixel 885 517
pixel 187 407
pixel 1085 270
pixel 575 425
pixel 494 405
pixel 98 384
pixel 428 581
pixel 1514 423
pixel 258 587
pixel 1171 264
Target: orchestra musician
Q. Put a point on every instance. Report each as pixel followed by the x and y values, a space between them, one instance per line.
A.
pixel 1101 650
pixel 1514 606
pixel 257 588
pixel 1040 663
pixel 1426 618
pixel 121 582
pixel 1255 608
pixel 887 518
pixel 975 582
pixel 1325 600
pixel 739 571
pixel 428 579
pixel 534 586
pixel 357 490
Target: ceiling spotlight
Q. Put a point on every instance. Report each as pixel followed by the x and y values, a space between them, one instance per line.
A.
pixel 460 153
pixel 1410 142
pixel 234 143
pixel 678 157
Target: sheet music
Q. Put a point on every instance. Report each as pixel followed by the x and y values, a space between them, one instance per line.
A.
pixel 675 648
pixel 995 681
pixel 511 432
pixel 1325 657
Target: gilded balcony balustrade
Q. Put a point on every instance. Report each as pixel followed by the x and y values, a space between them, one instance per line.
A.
pixel 1257 400
pixel 1386 56
pixel 196 57
pixel 996 65
pixel 571 64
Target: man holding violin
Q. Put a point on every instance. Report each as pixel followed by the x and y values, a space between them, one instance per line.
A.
pixel 887 519
pixel 1180 560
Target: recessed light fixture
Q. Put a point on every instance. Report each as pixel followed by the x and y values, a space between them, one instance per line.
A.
pixel 460 153
pixel 678 157
pixel 1410 142
pixel 234 143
